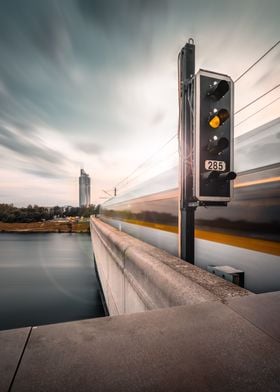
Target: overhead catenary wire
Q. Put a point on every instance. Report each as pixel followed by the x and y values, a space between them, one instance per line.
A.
pixel 147 160
pixel 143 164
pixel 107 192
pixel 256 62
pixel 128 179
pixel 178 134
pixel 140 174
pixel 269 104
pixel 154 164
pixel 257 99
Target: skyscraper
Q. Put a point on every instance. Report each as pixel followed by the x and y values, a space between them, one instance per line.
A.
pixel 84 189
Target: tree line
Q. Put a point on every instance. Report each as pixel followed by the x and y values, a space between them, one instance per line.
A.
pixel 10 214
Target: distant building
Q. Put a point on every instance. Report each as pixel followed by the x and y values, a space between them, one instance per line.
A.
pixel 84 189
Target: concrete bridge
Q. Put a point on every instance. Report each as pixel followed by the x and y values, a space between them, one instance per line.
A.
pixel 201 333
pixel 136 276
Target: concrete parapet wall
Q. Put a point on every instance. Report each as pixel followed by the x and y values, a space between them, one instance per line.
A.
pixel 136 276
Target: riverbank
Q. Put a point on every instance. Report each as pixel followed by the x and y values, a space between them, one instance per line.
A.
pixel 45 227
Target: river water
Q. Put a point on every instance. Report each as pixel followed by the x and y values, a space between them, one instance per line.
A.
pixel 46 278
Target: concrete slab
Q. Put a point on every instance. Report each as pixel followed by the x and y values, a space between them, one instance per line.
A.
pixel 205 347
pixel 11 346
pixel 263 310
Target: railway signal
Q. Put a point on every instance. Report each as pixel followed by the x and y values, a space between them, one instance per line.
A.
pixel 213 138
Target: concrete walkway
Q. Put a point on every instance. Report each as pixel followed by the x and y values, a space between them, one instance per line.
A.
pixel 205 347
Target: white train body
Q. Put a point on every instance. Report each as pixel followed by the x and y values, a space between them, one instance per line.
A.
pixel 245 235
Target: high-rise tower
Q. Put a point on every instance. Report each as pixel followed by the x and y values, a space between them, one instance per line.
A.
pixel 84 189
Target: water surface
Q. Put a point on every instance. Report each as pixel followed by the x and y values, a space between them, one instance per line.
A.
pixel 46 278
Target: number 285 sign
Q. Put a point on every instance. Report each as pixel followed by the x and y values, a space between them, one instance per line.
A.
pixel 215 165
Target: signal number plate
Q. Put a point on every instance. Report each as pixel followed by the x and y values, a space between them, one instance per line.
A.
pixel 215 165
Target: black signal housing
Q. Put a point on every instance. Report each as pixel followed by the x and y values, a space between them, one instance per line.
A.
pixel 213 137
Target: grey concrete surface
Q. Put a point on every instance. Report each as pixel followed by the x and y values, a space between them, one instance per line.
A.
pixel 136 276
pixel 205 347
pixel 11 346
pixel 263 310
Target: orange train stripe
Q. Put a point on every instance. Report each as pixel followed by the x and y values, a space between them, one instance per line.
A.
pixel 256 182
pixel 271 247
pixel 159 226
pixel 258 245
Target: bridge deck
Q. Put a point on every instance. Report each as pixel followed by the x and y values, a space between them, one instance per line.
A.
pixel 205 347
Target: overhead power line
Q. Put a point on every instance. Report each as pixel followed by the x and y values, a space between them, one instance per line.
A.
pixel 173 137
pixel 107 192
pixel 270 103
pixel 147 160
pixel 141 173
pixel 244 107
pixel 127 179
pixel 256 62
pixel 255 100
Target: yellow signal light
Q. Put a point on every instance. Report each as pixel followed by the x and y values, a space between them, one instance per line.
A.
pixel 218 119
pixel 215 122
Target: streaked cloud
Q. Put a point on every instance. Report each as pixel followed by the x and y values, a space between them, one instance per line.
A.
pixel 89 147
pixel 94 82
pixel 26 147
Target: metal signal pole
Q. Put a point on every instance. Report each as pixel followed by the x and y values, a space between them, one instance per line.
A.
pixel 186 69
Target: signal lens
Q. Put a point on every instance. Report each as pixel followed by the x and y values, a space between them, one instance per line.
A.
pixel 217 146
pixel 215 122
pixel 219 118
pixel 219 90
pixel 223 114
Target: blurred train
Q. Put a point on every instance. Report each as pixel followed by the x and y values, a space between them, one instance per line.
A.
pixel 244 235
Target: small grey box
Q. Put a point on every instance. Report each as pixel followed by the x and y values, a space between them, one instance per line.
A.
pixel 228 273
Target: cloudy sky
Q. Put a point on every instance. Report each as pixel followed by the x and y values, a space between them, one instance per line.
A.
pixel 93 84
